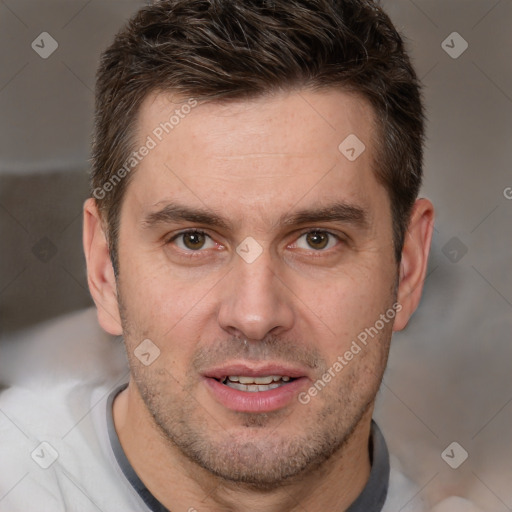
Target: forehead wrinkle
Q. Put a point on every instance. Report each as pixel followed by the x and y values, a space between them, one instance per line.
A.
pixel 262 154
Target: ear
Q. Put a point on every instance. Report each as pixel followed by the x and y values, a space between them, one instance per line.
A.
pixel 413 266
pixel 100 273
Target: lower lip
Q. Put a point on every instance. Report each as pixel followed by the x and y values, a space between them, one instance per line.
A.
pixel 255 401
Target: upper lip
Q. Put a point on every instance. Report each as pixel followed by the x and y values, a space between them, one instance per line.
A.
pixel 254 370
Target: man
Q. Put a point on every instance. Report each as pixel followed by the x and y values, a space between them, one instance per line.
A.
pixel 255 236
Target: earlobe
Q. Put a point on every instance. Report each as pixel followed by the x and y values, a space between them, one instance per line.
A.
pixel 413 266
pixel 100 274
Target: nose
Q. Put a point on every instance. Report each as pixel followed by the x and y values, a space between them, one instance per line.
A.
pixel 255 302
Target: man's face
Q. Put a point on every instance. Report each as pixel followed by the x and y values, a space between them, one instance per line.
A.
pixel 251 246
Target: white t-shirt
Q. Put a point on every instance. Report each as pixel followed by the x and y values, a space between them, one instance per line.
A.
pixel 59 452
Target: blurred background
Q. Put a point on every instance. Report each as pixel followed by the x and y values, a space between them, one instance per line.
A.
pixel 446 402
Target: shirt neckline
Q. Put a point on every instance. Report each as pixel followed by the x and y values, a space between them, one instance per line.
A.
pixel 372 497
pixel 138 485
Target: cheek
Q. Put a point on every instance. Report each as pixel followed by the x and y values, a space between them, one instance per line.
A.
pixel 157 293
pixel 346 304
pixel 168 309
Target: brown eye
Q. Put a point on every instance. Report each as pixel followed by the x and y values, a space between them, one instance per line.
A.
pixel 193 241
pixel 317 239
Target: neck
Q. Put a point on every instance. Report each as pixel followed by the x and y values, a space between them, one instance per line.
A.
pixel 180 484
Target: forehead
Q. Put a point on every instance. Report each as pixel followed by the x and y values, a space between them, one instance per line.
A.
pixel 264 153
pixel 297 115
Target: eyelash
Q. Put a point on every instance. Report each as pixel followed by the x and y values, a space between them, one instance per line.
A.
pixel 199 232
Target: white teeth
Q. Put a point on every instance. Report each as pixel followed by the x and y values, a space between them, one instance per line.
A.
pixel 251 380
pixel 258 380
pixel 254 384
pixel 252 388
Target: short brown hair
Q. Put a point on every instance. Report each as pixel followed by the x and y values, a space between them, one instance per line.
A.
pixel 235 49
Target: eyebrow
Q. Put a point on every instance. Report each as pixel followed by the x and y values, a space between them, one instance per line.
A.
pixel 337 212
pixel 179 213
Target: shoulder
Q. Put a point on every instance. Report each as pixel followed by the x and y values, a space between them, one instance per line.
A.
pixel 51 454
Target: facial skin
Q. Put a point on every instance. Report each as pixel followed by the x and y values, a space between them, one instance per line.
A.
pixel 255 165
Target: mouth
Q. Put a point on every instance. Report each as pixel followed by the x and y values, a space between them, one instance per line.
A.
pixel 256 384
pixel 244 388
